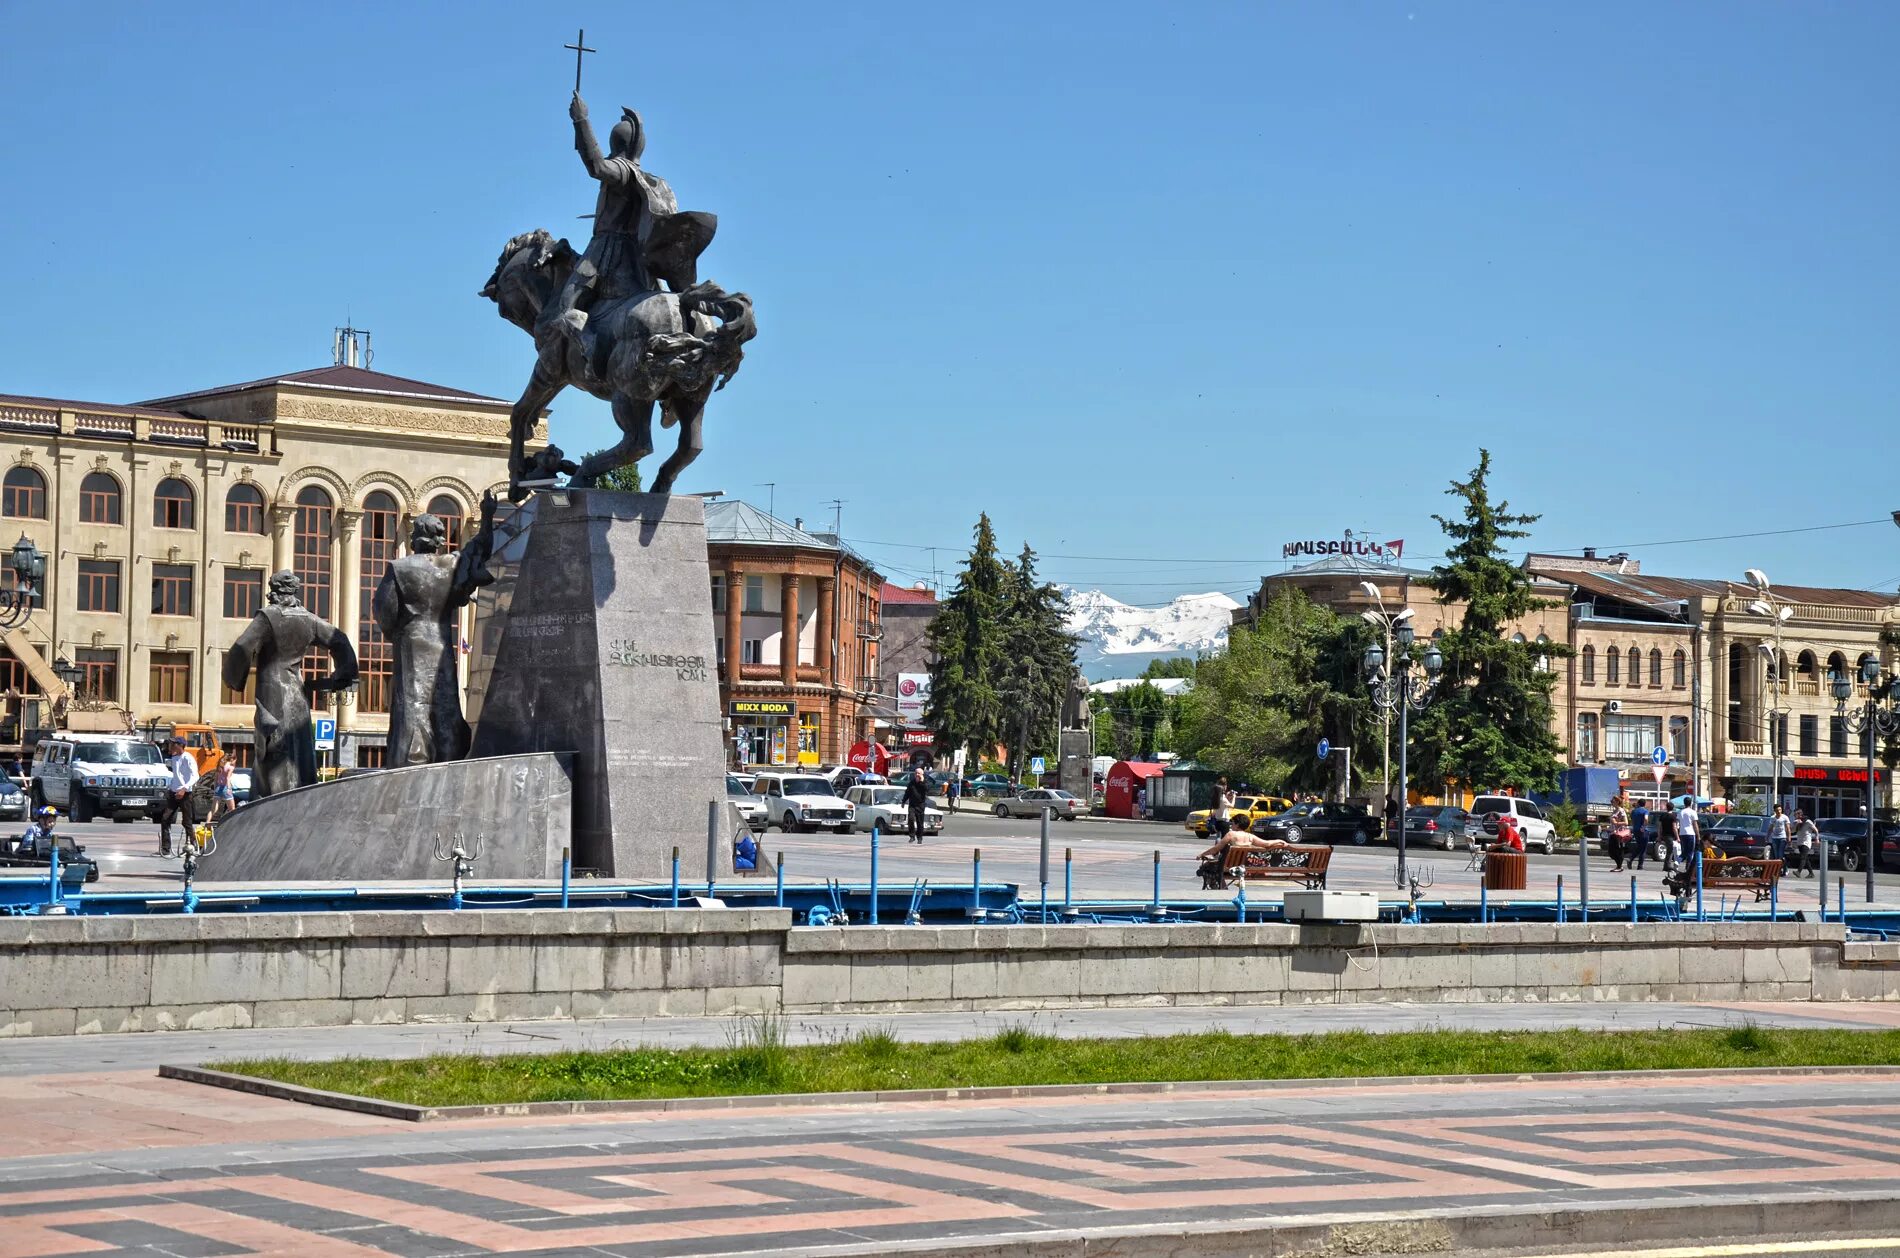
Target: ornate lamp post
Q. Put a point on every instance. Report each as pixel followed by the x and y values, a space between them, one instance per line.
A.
pixel 1766 604
pixel 1396 687
pixel 1875 722
pixel 29 569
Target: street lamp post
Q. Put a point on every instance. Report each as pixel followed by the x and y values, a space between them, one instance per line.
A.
pixel 1874 722
pixel 1766 604
pixel 29 568
pixel 1396 687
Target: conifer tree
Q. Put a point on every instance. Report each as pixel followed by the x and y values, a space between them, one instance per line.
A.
pixel 1037 662
pixel 966 648
pixel 1488 725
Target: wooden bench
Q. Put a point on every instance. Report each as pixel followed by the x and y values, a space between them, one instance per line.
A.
pixel 1735 873
pixel 1304 865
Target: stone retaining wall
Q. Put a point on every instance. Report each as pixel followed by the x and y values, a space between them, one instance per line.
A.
pixel 86 975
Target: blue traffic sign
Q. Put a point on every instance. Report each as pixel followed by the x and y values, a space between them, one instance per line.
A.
pixel 326 732
pixel 1037 766
pixel 1325 748
pixel 1660 756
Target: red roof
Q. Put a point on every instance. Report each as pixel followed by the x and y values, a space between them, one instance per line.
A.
pixel 905 594
pixel 345 379
pixel 1140 768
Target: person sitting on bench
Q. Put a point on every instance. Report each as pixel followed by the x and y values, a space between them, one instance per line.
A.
pixel 1510 838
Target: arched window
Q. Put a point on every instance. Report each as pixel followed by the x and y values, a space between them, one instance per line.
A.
pixel 1612 667
pixel 100 501
pixel 374 659
pixel 1518 638
pixel 1805 666
pixel 1837 666
pixel 1636 666
pixel 1590 664
pixel 23 494
pixel 174 505
pixel 449 511
pixel 1680 679
pixel 1543 653
pixel 244 509
pixel 310 560
pixel 1655 668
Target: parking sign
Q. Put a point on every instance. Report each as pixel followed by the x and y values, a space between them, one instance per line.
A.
pixel 326 732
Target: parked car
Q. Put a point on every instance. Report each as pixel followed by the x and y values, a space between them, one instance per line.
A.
pixel 88 775
pixel 1739 834
pixel 12 801
pixel 883 806
pixel 988 786
pixel 1321 823
pixel 1247 810
pixel 1031 803
pixel 1436 825
pixel 1846 838
pixel 802 801
pixel 1539 835
pixel 750 806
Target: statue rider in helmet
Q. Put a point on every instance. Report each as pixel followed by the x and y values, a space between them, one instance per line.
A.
pixel 640 237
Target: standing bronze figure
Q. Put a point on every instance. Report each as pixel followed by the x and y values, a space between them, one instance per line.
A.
pixel 274 643
pixel 628 320
pixel 415 606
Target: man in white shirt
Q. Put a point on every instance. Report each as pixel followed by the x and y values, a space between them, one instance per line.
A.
pixel 177 805
pixel 1687 832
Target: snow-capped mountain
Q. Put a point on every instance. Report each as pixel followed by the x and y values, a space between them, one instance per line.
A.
pixel 1191 624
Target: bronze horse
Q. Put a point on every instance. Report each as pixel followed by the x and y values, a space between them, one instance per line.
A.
pixel 676 349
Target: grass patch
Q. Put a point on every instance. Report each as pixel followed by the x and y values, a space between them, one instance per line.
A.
pixel 757 1059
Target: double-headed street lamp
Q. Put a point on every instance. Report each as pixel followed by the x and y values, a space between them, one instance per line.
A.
pixel 1396 687
pixel 29 569
pixel 1874 722
pixel 1766 604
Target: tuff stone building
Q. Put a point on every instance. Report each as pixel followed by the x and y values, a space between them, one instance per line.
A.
pixel 1670 662
pixel 162 520
pixel 799 621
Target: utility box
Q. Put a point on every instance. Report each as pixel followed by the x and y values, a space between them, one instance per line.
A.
pixel 1331 906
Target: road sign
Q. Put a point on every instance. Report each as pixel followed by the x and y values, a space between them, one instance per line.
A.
pixel 1657 772
pixel 1036 765
pixel 326 732
pixel 1659 757
pixel 1325 748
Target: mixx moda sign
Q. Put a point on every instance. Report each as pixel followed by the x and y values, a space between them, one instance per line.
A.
pixel 1356 547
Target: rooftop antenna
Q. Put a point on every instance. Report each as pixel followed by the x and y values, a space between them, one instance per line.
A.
pixel 349 347
pixel 837 519
pixel 771 496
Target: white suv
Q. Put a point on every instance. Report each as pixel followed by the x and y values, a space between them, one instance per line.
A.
pixel 104 775
pixel 802 801
pixel 1539 834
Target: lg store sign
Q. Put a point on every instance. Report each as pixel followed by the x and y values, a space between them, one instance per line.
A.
pixel 913 695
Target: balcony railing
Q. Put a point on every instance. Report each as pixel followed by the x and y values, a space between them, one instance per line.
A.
pixel 870 629
pixel 1740 748
pixel 33 418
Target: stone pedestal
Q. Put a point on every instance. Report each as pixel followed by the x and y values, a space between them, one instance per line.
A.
pixel 599 640
pixel 1077 750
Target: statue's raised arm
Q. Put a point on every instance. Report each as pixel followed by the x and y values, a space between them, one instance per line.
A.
pixel 617 170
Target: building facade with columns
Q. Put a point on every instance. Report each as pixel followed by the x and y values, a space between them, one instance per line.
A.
pixel 798 618
pixel 163 520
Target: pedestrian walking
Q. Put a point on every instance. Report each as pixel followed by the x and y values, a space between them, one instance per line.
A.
pixel 1639 827
pixel 177 803
pixel 1221 819
pixel 1806 840
pixel 223 798
pixel 1778 830
pixel 1666 836
pixel 1689 830
pixel 1619 834
pixel 915 795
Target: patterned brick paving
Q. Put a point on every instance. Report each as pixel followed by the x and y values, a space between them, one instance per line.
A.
pixel 870 1179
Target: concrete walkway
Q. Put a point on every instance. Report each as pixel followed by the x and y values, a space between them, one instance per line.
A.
pixel 1462 1168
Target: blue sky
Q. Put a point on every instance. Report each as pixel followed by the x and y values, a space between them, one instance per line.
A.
pixel 1158 287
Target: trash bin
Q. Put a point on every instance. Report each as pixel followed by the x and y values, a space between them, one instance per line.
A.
pixel 1506 871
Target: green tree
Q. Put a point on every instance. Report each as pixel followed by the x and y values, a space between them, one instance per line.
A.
pixel 625 479
pixel 1260 706
pixel 1488 726
pixel 965 709
pixel 1038 659
pixel 1170 666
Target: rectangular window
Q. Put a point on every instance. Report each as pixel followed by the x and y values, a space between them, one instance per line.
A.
pixel 1780 726
pixel 1679 738
pixel 755 594
pixel 9 581
pixel 1630 737
pixel 1836 737
pixel 171 677
pixel 243 592
pixel 719 592
pixel 98 585
pixel 754 651
pixel 171 589
pixel 1810 736
pixel 368 757
pixel 1587 737
pixel 246 697
pixel 100 676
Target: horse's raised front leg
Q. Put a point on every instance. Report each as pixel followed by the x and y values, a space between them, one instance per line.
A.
pixel 634 416
pixel 543 385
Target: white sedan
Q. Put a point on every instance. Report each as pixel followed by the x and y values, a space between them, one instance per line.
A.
pixel 883 806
